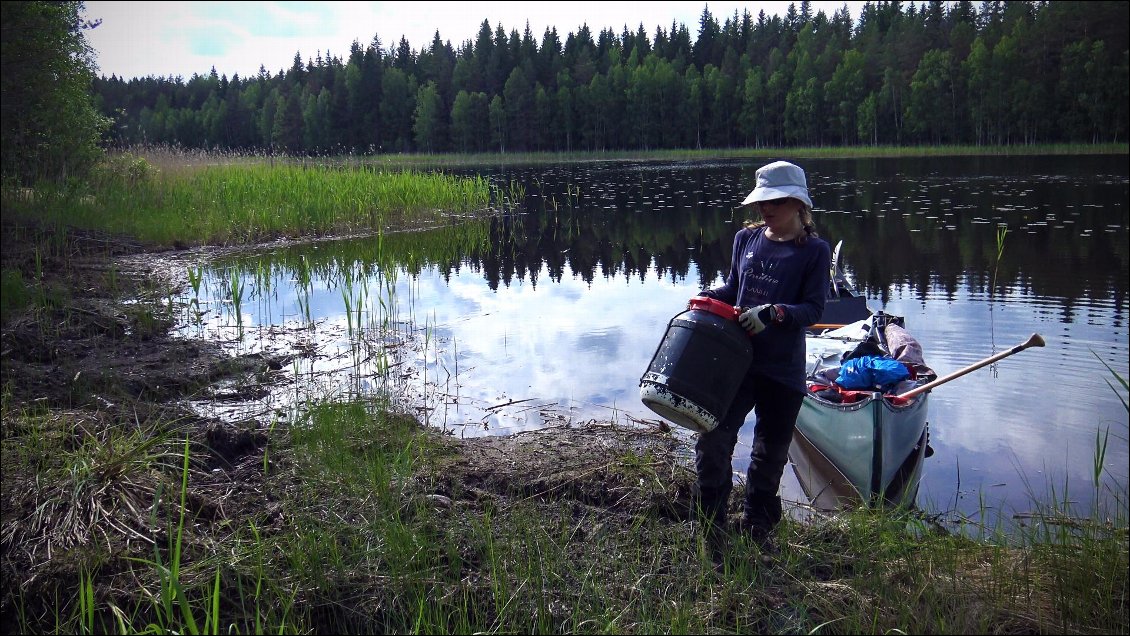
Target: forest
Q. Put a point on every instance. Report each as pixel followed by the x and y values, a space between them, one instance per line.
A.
pixel 935 73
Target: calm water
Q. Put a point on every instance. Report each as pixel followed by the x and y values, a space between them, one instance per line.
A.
pixel 551 314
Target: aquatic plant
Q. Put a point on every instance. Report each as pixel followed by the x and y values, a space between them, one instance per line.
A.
pixel 1002 232
pixel 235 294
pixel 1121 382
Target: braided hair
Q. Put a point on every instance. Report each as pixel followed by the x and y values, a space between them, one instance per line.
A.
pixel 805 219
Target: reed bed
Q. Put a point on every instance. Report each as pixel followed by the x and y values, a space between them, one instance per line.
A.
pixel 245 203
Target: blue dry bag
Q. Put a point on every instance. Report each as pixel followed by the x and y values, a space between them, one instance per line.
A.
pixel 871 373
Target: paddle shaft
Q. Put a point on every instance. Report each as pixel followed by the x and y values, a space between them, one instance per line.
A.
pixel 1034 341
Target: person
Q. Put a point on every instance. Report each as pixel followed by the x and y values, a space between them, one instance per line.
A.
pixel 778 279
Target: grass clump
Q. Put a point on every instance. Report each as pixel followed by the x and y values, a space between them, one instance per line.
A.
pixel 15 292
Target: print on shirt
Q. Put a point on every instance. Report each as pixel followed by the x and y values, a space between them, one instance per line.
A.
pixel 759 277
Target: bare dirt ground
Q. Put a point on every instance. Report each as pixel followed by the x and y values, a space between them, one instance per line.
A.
pixel 94 362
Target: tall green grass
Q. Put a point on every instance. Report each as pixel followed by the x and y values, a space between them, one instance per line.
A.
pixel 242 203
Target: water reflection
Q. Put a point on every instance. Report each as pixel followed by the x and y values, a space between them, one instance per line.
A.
pixel 551 315
pixel 930 223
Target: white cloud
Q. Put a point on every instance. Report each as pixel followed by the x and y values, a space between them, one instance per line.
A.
pixel 138 39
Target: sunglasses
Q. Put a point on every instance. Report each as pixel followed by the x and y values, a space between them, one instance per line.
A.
pixel 780 201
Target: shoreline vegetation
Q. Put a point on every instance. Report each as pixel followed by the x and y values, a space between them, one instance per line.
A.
pixel 174 156
pixel 168 196
pixel 124 511
pixel 803 152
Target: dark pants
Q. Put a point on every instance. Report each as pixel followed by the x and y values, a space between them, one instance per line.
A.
pixel 776 408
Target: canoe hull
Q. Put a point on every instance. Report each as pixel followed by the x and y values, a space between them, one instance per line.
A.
pixel 872 447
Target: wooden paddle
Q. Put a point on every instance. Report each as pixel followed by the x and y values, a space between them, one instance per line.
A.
pixel 1035 340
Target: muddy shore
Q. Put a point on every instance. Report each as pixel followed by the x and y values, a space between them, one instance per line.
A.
pixel 95 359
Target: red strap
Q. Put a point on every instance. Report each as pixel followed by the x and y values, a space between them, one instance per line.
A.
pixel 849 396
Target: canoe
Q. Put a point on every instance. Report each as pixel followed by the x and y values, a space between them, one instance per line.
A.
pixel 827 488
pixel 872 448
pixel 857 445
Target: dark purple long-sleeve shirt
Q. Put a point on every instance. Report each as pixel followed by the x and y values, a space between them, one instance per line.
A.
pixel 793 276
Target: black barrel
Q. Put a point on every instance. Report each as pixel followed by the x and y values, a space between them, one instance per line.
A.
pixel 698 366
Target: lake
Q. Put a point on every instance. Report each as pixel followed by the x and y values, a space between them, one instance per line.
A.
pixel 549 313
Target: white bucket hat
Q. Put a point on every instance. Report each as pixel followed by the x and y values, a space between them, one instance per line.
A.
pixel 777 180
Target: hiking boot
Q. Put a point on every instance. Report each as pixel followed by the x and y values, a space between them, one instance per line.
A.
pixel 717 541
pixel 760 536
pixel 710 511
pixel 762 514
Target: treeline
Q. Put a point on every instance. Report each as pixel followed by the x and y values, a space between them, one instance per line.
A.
pixel 935 73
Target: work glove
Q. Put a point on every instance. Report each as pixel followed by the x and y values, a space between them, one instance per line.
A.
pixel 756 319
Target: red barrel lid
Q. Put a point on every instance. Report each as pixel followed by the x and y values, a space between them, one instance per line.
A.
pixel 716 307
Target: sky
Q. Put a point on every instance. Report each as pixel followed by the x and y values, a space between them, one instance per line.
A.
pixel 139 39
